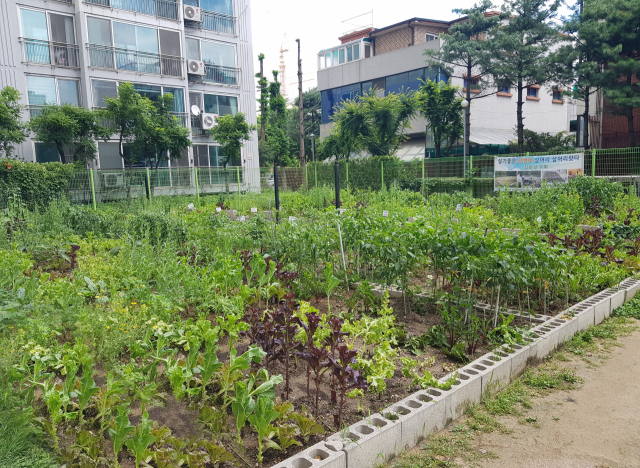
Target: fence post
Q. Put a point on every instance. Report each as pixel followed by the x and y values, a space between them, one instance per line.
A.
pixel 148 184
pixel 93 189
pixel 306 176
pixel 336 171
pixel 469 175
pixel 422 191
pixel 382 173
pixel 276 186
pixel 347 166
pixel 238 177
pixel 593 162
pixel 195 171
pixel 316 169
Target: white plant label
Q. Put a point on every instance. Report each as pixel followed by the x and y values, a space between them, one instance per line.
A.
pixel 292 218
pixel 342 210
pixel 218 209
pixel 254 210
pixel 539 219
pixel 242 218
pixel 191 205
pixel 459 207
pixel 385 214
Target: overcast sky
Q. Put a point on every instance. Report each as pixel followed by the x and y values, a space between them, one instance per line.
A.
pixel 319 23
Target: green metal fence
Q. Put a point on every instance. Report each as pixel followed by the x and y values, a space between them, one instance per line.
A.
pixel 434 175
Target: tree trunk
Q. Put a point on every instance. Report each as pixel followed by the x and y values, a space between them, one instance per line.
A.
pixel 263 109
pixel 632 136
pixel 467 117
pixel 301 109
pixel 519 118
pixel 60 149
pixel 436 144
pixel 586 118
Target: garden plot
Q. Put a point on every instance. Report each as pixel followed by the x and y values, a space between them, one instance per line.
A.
pixel 148 334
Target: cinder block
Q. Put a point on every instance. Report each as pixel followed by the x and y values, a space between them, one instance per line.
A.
pixel 617 299
pixel 602 308
pixel 466 391
pixel 326 454
pixel 519 359
pixel 584 313
pixel 373 440
pixel 631 286
pixel 497 373
pixel 564 326
pixel 548 341
pixel 427 415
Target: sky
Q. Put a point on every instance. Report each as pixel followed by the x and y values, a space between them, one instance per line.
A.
pixel 319 23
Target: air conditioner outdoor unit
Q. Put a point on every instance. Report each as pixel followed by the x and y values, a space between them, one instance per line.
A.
pixel 192 13
pixel 209 121
pixel 112 180
pixel 195 67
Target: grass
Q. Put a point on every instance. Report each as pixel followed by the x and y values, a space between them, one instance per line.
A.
pixel 19 447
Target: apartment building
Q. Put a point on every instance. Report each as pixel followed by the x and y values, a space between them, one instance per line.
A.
pixel 78 51
pixel 391 59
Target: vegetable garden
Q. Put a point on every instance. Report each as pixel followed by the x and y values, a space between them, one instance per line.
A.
pixel 163 333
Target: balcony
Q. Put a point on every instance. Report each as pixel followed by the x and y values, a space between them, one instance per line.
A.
pixel 56 54
pixel 221 75
pixel 217 22
pixel 111 58
pixel 158 8
pixel 182 117
pixel 196 126
pixel 34 110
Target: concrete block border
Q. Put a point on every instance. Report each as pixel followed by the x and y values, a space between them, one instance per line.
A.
pixel 405 424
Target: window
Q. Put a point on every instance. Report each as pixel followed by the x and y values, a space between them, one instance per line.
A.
pixel 327 60
pixel 220 105
pixel 46 152
pixel 193 48
pixel 356 52
pixel 109 155
pixel 404 81
pixel 49 38
pixel 367 50
pixel 215 53
pixel 102 89
pixel 149 91
pixel 43 90
pixel 504 88
pixel 473 83
pixel 219 6
pixel 532 92
pixel 557 95
pixel 430 37
pixel 341 56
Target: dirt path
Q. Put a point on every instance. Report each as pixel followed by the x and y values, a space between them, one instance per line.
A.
pixel 594 426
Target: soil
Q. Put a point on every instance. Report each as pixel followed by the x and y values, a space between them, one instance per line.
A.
pixel 594 426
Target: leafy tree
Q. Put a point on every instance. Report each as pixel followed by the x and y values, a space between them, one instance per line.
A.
pixel 374 124
pixel 70 127
pixel 440 105
pixel 522 49
pixel 544 142
pixel 620 22
pixel 127 114
pixel 231 131
pixel 311 101
pixel 161 136
pixel 466 52
pixel 264 98
pixel 12 129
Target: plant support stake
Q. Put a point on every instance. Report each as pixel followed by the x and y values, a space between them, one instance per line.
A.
pixel 238 177
pixel 344 263
pixel 277 190
pixel 93 189
pixel 148 185
pixel 195 169
pixel 593 163
pixel 336 171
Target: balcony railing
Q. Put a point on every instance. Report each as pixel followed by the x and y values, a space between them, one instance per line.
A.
pixel 57 54
pixel 196 125
pixel 221 75
pixel 112 58
pixel 158 8
pixel 215 22
pixel 181 116
pixel 34 110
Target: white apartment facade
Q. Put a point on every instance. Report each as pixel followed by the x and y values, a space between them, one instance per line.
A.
pixel 391 59
pixel 78 51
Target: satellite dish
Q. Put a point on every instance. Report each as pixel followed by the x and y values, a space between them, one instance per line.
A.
pixel 195 110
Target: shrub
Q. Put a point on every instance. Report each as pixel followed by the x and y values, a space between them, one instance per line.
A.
pixel 589 188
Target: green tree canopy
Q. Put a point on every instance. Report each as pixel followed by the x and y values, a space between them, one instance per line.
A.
pixel 12 128
pixel 542 142
pixel 231 131
pixel 70 128
pixel 440 105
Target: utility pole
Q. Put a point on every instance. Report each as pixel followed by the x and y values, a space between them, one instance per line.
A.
pixel 263 107
pixel 301 108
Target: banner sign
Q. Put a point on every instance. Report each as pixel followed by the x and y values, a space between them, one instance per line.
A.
pixel 530 172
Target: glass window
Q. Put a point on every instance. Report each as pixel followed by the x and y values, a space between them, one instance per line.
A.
pixel 152 92
pixel 557 95
pixel 109 155
pixel 327 60
pixel 329 100
pixel 34 25
pixel 193 48
pixel 356 52
pixel 62 29
pixel 350 92
pixel 335 57
pixel 46 152
pixel 533 92
pixel 367 50
pixel 102 89
pixel 214 53
pixel 99 31
pixel 349 54
pixel 124 36
pixel 220 105
pixel 68 92
pixel 219 6
pixel 147 39
pixel 178 98
pixel 430 37
pixel 170 42
pixel 215 156
pixel 341 55
pixel 41 90
pixel 397 83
